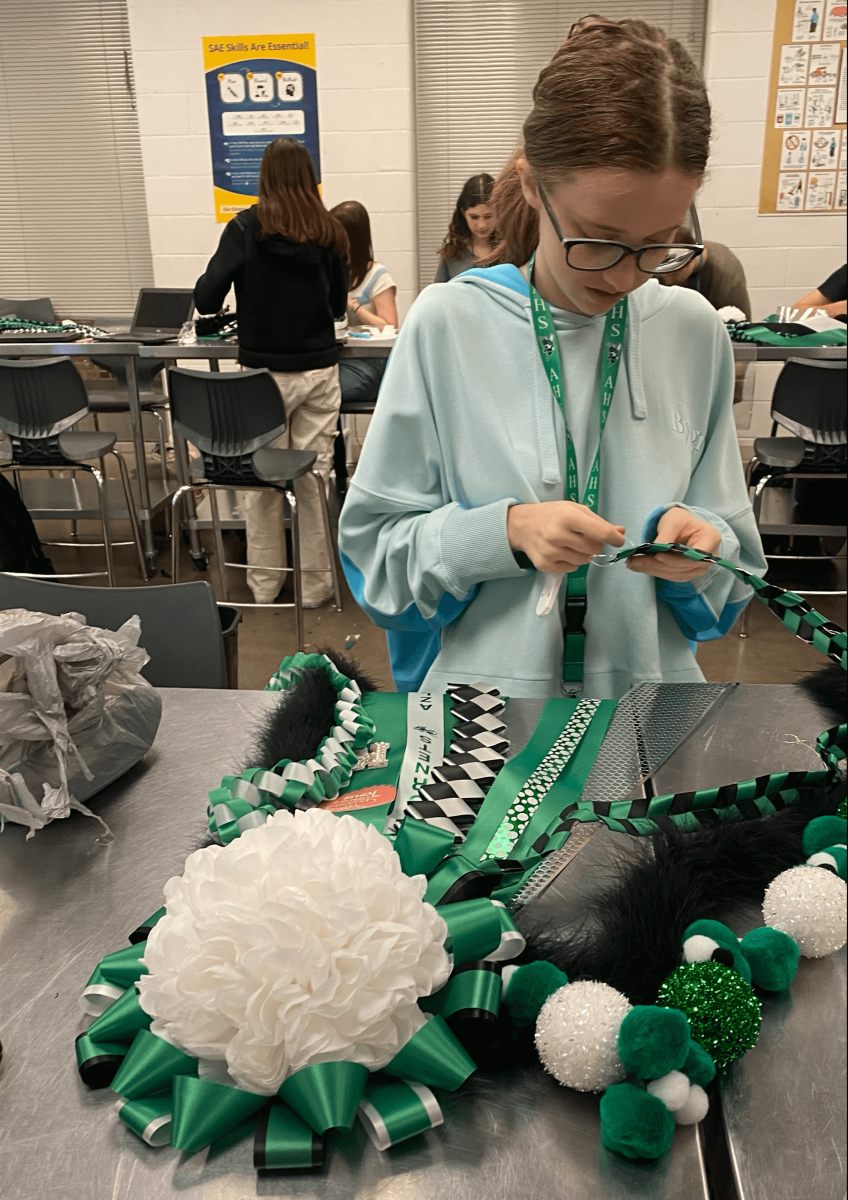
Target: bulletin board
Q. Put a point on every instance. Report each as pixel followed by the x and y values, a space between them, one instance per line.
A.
pixel 805 145
pixel 257 89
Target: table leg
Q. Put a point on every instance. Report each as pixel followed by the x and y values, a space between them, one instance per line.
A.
pixel 131 364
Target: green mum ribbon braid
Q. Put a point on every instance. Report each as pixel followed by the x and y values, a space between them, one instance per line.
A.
pixel 247 800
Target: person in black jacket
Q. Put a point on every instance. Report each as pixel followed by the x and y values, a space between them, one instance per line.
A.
pixel 286 258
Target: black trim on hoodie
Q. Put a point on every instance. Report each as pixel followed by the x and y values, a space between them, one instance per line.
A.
pixel 287 294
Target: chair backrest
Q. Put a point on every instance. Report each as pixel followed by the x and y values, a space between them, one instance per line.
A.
pixel 40 398
pixel 40 310
pixel 809 400
pixel 180 623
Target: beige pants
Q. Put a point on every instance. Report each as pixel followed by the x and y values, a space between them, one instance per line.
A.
pixel 312 400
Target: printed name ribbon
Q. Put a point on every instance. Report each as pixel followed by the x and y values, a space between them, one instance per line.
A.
pixel 750 798
pixel 165 1098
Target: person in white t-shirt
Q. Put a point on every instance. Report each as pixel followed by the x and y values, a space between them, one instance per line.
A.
pixel 371 302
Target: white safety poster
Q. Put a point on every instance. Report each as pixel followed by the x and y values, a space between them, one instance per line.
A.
pixel 804 152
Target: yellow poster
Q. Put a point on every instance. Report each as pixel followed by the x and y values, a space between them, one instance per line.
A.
pixel 805 144
pixel 258 88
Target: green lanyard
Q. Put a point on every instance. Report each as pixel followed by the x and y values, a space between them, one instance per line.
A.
pixel 574 632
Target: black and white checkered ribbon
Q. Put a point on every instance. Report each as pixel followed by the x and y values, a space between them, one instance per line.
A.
pixel 458 787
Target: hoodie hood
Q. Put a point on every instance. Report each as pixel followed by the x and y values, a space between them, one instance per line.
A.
pixel 277 246
pixel 508 288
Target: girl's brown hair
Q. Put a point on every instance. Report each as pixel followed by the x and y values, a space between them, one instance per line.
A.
pixel 476 190
pixel 616 94
pixel 353 218
pixel 289 201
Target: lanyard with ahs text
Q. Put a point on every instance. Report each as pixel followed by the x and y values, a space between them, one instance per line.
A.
pixel 574 632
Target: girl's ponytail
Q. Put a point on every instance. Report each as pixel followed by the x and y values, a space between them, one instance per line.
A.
pixel 617 94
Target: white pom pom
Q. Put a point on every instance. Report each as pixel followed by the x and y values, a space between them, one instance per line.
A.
pixel 731 313
pixel 809 905
pixel 695 1109
pixel 672 1089
pixel 698 948
pixel 577 1035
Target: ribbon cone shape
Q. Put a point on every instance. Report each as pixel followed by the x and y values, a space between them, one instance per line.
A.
pixel 393 1112
pixel 326 1095
pixel 205 1111
pixel 150 1066
pixel 284 1142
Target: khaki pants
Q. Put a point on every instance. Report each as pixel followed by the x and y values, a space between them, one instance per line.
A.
pixel 312 400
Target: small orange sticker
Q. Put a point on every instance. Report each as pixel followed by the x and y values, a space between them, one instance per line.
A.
pixel 364 798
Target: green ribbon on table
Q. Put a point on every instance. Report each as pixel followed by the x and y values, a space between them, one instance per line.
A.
pixel 149 1118
pixel 204 1111
pixel 122 1020
pixel 111 978
pixel 142 931
pixel 97 1062
pixel 434 1057
pixel 394 1112
pixel 283 1142
pixel 150 1066
pixel 473 992
pixel 326 1094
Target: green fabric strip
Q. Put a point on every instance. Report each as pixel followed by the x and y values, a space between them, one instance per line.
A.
pixel 205 1111
pixel 284 1142
pixel 434 1057
pixel 121 1021
pixel 388 712
pixel 474 989
pixel 326 1094
pixel 150 1066
pixel 514 775
pixel 395 1112
pixel 149 1118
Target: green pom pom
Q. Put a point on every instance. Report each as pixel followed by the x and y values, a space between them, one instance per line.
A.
pixel 529 988
pixel 823 832
pixel 773 958
pixel 724 1014
pixel 842 811
pixel 699 1067
pixel 653 1041
pixel 635 1123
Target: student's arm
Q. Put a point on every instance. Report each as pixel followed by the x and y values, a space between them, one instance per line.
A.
pixel 706 606
pixel 386 313
pixel 211 289
pixel 830 296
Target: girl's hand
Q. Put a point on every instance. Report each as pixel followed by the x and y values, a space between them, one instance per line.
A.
pixel 559 536
pixel 679 525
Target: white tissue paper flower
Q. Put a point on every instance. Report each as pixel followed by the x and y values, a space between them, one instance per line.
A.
pixel 300 942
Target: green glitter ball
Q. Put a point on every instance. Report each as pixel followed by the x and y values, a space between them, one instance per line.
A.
pixel 724 1014
pixel 842 811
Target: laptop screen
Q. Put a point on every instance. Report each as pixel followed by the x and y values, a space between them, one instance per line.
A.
pixel 162 308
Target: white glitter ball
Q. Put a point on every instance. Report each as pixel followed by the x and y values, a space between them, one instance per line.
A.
pixel 810 905
pixel 577 1035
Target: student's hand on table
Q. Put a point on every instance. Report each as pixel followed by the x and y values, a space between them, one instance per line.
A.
pixel 559 536
pixel 679 525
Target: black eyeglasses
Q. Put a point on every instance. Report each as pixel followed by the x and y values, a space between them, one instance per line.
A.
pixel 596 254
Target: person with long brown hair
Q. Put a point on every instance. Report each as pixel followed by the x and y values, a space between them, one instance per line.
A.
pixel 471 232
pixel 536 412
pixel 286 257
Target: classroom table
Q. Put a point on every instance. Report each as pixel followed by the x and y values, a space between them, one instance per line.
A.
pixel 65 900
pixel 153 494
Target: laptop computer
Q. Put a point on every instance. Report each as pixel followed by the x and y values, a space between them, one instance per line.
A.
pixel 160 314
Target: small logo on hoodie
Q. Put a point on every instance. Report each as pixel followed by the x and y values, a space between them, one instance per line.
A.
pixel 680 425
pixel 613 352
pixel 548 345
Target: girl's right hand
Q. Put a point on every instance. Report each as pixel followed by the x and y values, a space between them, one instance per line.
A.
pixel 559 536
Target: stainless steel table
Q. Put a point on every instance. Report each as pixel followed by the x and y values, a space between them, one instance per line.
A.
pixel 65 901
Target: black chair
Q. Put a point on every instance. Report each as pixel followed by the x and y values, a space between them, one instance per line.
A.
pixel 809 400
pixel 40 401
pixel 192 642
pixel 231 418
pixel 150 402
pixel 40 309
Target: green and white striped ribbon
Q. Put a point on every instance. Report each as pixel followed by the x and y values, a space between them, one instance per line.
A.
pixel 244 801
pixel 539 783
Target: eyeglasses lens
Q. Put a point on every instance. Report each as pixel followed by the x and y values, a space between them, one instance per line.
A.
pixel 666 258
pixel 588 256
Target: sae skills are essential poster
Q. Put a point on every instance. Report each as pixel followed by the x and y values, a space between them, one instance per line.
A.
pixel 257 89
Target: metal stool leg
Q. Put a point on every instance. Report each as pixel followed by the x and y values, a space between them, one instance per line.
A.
pixel 744 620
pixel 133 515
pixel 219 543
pixel 298 582
pixel 104 521
pixel 175 531
pixel 328 538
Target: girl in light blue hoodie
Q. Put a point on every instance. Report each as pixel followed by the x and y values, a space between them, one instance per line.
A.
pixel 538 412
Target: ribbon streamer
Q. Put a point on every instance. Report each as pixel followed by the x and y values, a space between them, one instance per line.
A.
pixel 151 1066
pixel 149 1119
pixel 393 1112
pixel 283 1142
pixel 326 1094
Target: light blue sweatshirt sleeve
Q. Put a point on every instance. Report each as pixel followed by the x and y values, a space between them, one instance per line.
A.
pixel 707 607
pixel 412 553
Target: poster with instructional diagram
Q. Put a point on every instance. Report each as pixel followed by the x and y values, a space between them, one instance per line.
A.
pixel 804 153
pixel 258 88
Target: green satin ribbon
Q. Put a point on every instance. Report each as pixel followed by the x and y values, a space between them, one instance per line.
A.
pixel 473 992
pixel 284 1142
pixel 434 1057
pixel 204 1111
pixel 124 967
pixel 121 1021
pixel 474 929
pixel 326 1094
pixel 97 1062
pixel 150 1066
pixel 394 1112
pixel 149 1118
pixel 421 847
pixel 142 931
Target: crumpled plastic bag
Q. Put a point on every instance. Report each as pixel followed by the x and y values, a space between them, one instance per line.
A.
pixel 75 713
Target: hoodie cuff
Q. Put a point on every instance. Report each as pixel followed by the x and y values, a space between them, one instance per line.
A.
pixel 474 547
